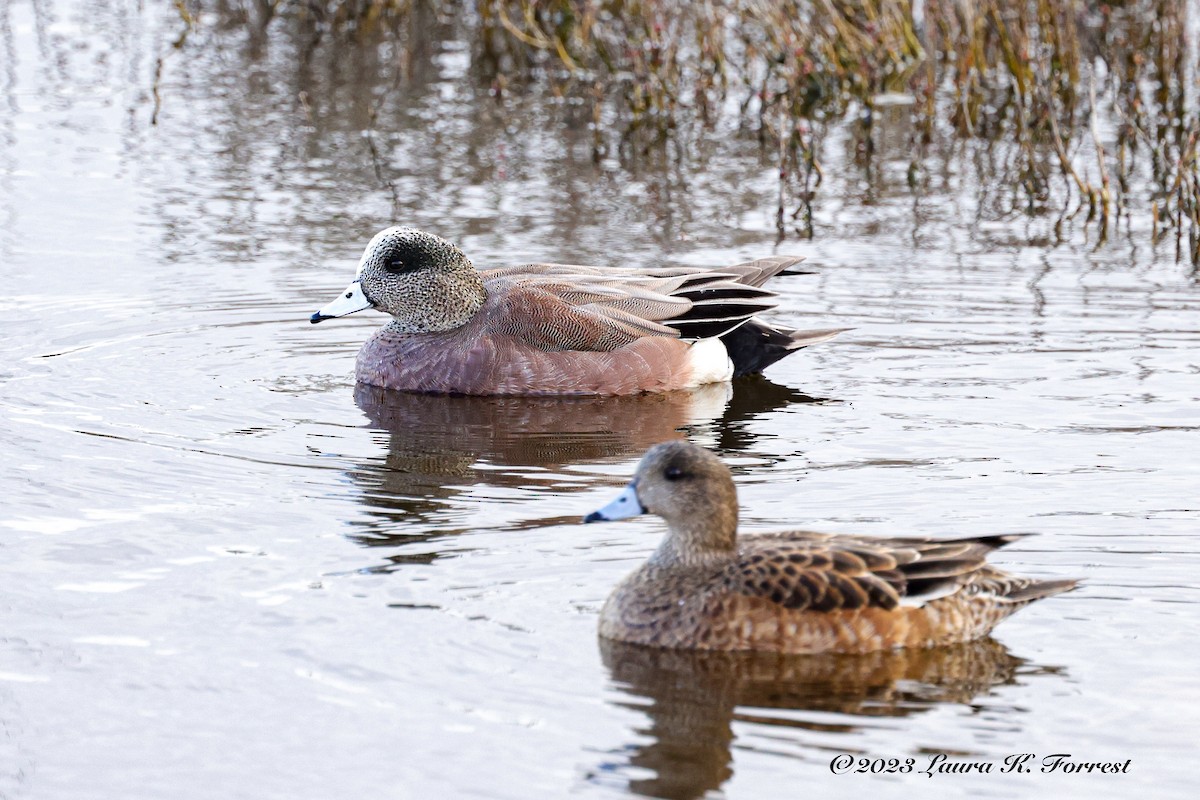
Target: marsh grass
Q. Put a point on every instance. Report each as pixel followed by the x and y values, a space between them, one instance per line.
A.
pixel 1086 110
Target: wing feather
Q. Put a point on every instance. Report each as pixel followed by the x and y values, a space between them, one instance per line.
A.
pixel 690 302
pixel 817 572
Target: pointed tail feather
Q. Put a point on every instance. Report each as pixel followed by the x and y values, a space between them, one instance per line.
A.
pixel 1036 590
pixel 805 338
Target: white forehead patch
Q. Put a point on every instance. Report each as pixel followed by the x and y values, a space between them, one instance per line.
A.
pixel 374 244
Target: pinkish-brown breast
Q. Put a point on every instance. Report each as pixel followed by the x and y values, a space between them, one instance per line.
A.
pixel 473 360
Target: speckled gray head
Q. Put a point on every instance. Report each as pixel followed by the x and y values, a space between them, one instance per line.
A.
pixel 425 282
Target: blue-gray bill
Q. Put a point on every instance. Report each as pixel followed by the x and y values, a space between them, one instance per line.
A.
pixel 347 302
pixel 625 505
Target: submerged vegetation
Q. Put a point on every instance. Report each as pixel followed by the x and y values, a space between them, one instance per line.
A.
pixel 1083 110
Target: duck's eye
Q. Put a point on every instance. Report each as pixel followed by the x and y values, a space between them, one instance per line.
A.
pixel 673 473
pixel 397 266
pixel 349 294
pixel 400 255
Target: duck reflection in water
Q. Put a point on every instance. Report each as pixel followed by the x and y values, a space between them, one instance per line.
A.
pixel 697 696
pixel 437 446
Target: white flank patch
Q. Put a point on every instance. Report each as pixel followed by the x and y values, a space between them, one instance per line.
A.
pixel 710 362
pixel 921 599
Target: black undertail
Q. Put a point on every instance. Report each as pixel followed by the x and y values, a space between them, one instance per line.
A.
pixel 754 346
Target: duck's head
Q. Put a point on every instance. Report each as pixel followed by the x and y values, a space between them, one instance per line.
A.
pixel 422 280
pixel 687 486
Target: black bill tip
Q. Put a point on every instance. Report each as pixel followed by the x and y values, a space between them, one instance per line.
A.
pixel 317 317
pixel 595 516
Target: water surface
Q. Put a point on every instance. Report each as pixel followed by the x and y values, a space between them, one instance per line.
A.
pixel 229 572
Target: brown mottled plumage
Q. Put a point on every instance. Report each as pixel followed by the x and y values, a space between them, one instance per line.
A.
pixel 794 591
pixel 556 328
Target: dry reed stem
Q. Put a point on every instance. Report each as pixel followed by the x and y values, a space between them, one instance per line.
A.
pixel 1006 73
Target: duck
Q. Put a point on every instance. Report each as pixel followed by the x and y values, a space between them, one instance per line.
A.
pixel 795 592
pixel 558 329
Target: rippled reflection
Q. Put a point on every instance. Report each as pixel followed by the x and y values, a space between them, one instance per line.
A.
pixel 696 697
pixel 437 446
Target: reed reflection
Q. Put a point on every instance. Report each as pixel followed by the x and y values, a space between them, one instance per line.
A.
pixel 695 697
pixel 438 446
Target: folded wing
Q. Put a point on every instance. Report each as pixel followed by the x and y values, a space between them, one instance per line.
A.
pixel 565 306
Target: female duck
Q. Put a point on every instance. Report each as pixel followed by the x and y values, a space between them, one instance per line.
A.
pixel 794 591
pixel 550 329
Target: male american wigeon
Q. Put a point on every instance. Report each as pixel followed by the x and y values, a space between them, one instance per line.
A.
pixel 794 591
pixel 555 328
